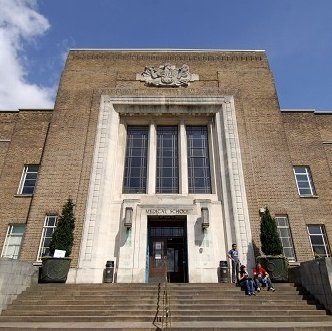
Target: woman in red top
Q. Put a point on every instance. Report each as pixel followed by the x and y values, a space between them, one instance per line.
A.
pixel 261 277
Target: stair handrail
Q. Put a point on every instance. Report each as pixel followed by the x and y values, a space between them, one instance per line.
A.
pixel 166 312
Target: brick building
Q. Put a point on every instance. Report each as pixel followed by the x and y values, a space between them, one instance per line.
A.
pixel 165 153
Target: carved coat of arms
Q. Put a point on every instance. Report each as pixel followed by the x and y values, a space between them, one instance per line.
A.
pixel 167 75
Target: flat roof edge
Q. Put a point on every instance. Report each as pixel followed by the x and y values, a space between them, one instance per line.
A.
pixel 306 110
pixel 298 110
pixel 166 50
pixel 25 109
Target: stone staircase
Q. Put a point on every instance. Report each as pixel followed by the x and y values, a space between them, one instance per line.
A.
pixel 135 306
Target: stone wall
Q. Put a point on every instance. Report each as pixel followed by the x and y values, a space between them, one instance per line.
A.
pixel 316 277
pixel 15 277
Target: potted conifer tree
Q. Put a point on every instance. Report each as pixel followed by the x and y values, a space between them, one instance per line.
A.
pixel 273 259
pixel 55 269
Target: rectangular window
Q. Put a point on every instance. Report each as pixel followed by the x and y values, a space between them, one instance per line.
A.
pixel 167 180
pixel 305 185
pixel 136 159
pixel 12 245
pixel 28 179
pixel 318 240
pixel 48 229
pixel 285 236
pixel 199 180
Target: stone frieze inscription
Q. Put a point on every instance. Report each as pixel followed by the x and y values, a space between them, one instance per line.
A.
pixel 167 75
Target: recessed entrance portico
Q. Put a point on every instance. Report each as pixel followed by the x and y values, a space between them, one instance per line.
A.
pixel 206 174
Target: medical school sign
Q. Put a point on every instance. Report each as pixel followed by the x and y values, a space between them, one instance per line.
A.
pixel 167 211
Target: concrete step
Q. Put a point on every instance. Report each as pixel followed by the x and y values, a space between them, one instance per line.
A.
pixel 193 318
pixel 199 304
pixel 175 313
pixel 182 295
pixel 174 307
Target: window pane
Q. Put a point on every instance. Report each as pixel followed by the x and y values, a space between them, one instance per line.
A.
pixel 48 229
pixel 199 180
pixel 314 229
pixel 304 185
pixel 18 229
pixel 13 241
pixel 289 253
pixel 136 160
pixel 304 181
pixel 285 236
pixel 33 168
pixel 305 191
pixel 28 180
pixel 281 221
pixel 286 242
pixel 320 250
pixel 302 177
pixel 167 179
pixel 284 232
pixel 32 176
pixel 318 240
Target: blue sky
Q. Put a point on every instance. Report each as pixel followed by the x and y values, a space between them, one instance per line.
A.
pixel 36 35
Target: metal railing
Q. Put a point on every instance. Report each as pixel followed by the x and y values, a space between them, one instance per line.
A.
pixel 163 313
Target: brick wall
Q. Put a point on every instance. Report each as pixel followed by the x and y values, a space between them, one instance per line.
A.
pixel 24 133
pixel 266 144
pixel 306 132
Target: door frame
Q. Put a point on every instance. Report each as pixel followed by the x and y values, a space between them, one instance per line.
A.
pixel 168 222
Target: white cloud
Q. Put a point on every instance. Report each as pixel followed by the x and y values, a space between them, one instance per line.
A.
pixel 19 22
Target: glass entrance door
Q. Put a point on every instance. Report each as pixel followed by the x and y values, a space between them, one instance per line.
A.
pixel 168 251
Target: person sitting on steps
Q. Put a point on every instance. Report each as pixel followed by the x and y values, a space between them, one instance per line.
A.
pixel 246 282
pixel 261 278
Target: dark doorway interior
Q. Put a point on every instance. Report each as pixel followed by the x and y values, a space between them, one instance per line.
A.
pixel 168 248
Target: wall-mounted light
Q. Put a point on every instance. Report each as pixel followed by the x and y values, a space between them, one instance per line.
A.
pixel 128 221
pixel 205 218
pixel 262 211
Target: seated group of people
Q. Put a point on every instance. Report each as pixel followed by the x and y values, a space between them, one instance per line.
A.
pixel 261 279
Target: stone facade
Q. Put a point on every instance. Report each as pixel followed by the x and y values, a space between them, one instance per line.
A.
pixel 80 147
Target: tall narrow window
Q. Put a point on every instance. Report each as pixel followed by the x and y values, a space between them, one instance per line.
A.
pixel 318 240
pixel 199 180
pixel 305 185
pixel 285 236
pixel 12 245
pixel 136 159
pixel 167 180
pixel 48 229
pixel 28 179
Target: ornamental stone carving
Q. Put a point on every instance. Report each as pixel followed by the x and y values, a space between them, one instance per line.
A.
pixel 167 75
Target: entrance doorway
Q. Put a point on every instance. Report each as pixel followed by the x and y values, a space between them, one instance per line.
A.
pixel 167 250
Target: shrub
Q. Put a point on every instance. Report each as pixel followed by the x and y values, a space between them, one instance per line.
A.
pixel 270 240
pixel 63 236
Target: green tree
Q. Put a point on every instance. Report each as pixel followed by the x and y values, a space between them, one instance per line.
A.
pixel 270 240
pixel 63 236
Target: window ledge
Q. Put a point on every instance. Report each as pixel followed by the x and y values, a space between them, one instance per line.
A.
pixel 23 195
pixel 309 196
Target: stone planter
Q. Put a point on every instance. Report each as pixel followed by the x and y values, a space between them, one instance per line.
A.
pixel 276 266
pixel 54 269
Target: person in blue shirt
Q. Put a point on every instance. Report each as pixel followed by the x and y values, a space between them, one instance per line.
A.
pixel 233 255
